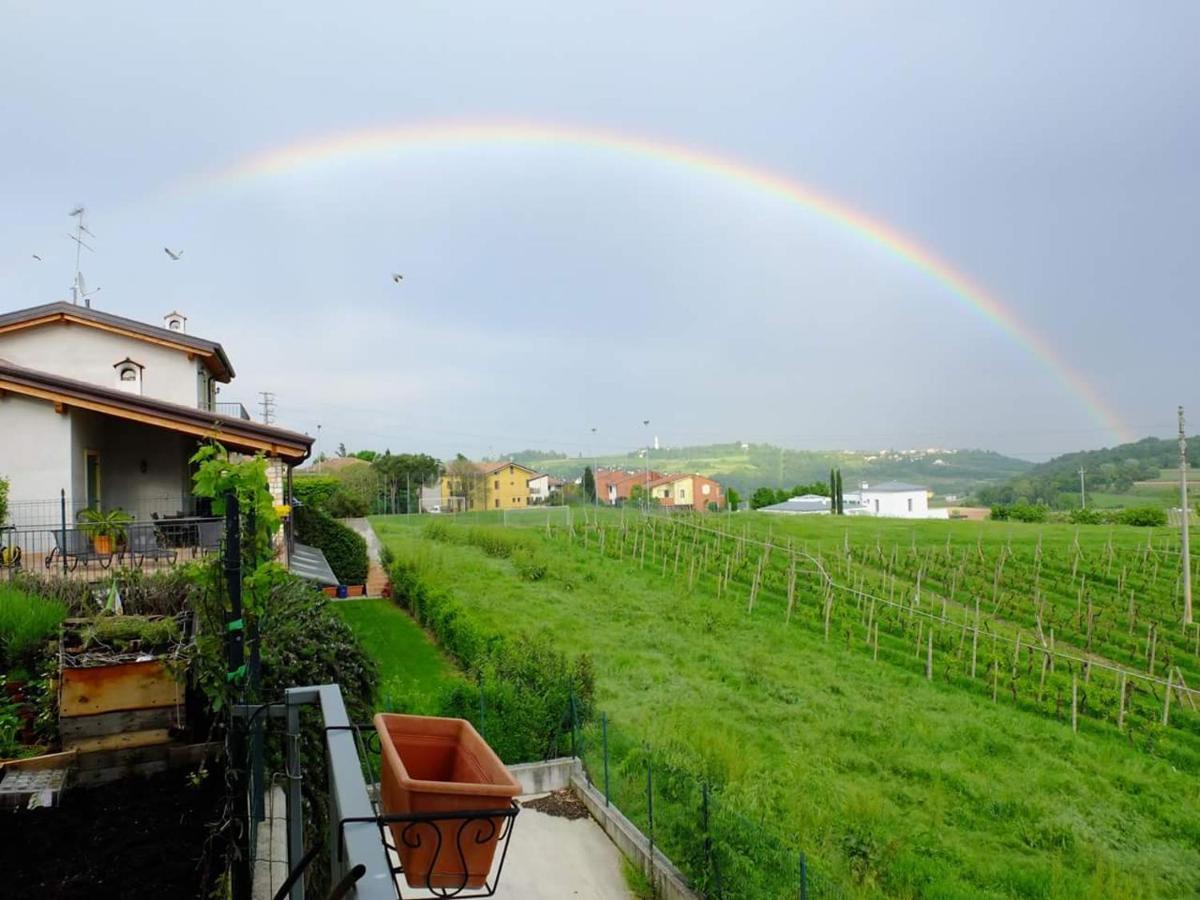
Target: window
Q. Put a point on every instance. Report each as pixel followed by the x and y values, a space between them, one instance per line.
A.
pixel 910 504
pixel 704 489
pixel 497 502
pixel 496 484
pixel 128 373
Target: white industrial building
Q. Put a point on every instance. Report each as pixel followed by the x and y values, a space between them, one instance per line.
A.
pixel 890 500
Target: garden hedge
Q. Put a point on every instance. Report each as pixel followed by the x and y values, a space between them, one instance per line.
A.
pixel 344 548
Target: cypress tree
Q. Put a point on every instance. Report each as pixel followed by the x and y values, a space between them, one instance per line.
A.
pixel 841 502
pixel 832 492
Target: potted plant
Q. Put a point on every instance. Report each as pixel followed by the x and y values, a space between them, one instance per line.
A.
pixel 106 529
pixel 436 765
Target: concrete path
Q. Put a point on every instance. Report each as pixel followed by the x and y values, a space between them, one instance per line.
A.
pixel 376 575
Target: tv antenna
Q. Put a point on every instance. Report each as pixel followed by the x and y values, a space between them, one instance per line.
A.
pixel 79 290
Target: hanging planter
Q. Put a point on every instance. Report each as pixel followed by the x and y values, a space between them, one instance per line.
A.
pixel 433 765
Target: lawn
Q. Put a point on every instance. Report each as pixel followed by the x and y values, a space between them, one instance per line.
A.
pixel 892 784
pixel 413 670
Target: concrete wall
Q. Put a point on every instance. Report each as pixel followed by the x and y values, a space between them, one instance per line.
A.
pixel 895 504
pixel 89 354
pixel 35 456
pixel 125 449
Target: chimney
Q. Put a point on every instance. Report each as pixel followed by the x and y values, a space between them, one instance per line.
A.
pixel 175 321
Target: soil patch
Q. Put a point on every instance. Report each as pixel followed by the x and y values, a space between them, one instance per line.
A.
pixel 562 804
pixel 141 837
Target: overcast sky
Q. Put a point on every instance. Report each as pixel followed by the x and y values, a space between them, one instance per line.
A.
pixel 1048 151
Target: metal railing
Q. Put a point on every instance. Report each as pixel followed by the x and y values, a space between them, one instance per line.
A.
pixel 79 552
pixel 227 408
pixel 54 512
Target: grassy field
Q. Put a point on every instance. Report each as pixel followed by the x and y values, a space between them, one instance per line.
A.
pixel 821 727
pixel 413 670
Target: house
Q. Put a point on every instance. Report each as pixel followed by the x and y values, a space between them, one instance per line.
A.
pixel 894 500
pixel 815 504
pixel 541 487
pixel 614 486
pixel 100 411
pixel 494 485
pixel 686 492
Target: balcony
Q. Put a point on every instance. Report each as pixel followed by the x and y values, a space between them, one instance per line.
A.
pixel 234 410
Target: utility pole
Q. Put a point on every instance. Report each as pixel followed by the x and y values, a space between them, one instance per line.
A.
pixel 267 405
pixel 595 475
pixel 646 498
pixel 1082 494
pixel 1184 516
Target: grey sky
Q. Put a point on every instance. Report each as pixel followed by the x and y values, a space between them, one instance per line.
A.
pixel 1047 152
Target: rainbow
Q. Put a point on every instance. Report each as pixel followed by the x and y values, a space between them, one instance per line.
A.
pixel 376 143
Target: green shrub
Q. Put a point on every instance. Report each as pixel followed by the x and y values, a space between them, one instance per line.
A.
pixel 527 687
pixel 3 499
pixel 1144 516
pixel 344 548
pixel 314 490
pixel 27 623
pixel 1085 516
pixel 126 633
pixel 1020 512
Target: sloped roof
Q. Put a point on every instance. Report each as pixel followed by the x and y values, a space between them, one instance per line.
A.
pixel 233 431
pixel 61 311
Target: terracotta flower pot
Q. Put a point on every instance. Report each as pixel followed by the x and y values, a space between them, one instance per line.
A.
pixel 102 544
pixel 431 765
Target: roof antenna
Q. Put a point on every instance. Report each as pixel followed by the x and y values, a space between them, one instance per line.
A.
pixel 78 289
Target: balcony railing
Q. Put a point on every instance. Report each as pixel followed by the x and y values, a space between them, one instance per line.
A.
pixel 236 410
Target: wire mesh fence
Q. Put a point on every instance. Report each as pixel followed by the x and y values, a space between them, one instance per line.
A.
pixel 723 852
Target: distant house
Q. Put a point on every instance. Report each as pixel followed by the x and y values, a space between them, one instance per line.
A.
pixel 100 411
pixel 815 505
pixel 686 492
pixel 541 486
pixel 614 486
pixel 497 485
pixel 895 500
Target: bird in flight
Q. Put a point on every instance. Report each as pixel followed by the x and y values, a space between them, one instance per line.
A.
pixel 38 258
pixel 172 253
pixel 397 277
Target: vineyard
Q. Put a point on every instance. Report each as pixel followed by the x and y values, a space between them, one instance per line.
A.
pixel 1095 634
pixel 927 709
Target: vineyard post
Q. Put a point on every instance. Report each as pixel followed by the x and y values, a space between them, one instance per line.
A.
pixel 1121 703
pixel 975 638
pixel 1167 694
pixel 929 658
pixel 1074 703
pixel 876 656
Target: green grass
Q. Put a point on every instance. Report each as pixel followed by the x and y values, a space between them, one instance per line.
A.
pixel 413 670
pixel 26 623
pixel 893 785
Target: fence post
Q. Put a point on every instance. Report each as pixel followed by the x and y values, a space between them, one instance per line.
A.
pixel 574 742
pixel 236 657
pixel 482 729
pixel 253 678
pixel 803 876
pixel 62 500
pixel 708 860
pixel 650 809
pixel 604 738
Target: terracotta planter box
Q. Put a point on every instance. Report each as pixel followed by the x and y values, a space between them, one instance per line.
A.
pixel 432 765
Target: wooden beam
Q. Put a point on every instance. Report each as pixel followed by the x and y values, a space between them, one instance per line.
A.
pixel 205 432
pixel 60 408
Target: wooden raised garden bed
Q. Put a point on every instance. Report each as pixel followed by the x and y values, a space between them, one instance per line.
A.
pixel 120 699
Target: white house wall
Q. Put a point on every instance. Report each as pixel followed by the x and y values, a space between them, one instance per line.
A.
pixel 35 455
pixel 89 354
pixel 894 504
pixel 124 447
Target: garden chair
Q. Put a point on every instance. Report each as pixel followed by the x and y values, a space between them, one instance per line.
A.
pixel 78 549
pixel 143 545
pixel 208 536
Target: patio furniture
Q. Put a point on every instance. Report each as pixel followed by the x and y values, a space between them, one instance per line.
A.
pixel 78 550
pixel 208 536
pixel 144 545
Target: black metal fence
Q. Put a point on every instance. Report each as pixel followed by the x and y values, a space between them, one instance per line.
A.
pixel 53 511
pixel 89 553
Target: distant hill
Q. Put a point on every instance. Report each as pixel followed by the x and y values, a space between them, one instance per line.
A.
pixel 749 466
pixel 1112 476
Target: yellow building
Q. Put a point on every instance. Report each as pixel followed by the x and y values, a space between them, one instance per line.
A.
pixel 494 485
